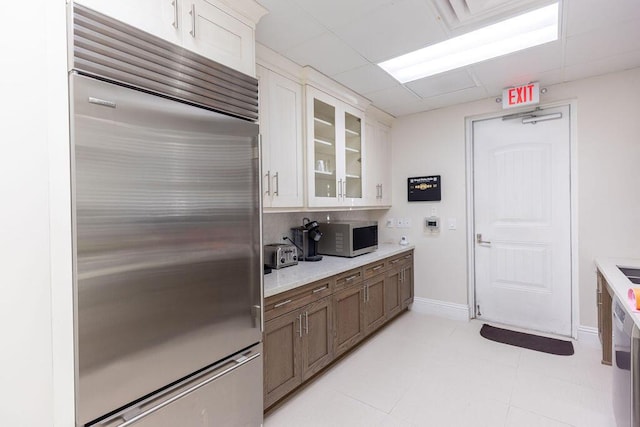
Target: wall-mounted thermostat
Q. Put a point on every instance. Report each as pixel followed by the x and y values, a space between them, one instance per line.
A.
pixel 432 223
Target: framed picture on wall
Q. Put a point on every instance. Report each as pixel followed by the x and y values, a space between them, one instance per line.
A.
pixel 424 188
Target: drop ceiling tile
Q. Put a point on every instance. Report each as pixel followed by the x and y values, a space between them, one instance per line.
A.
pixel 327 54
pixel 546 78
pixel 440 84
pixel 600 66
pixel 285 26
pixel 368 78
pixel 604 42
pixel 458 97
pixel 589 15
pixel 393 30
pixel 335 13
pixel 520 67
pixel 392 98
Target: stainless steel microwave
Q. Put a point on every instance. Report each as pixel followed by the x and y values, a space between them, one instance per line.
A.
pixel 348 238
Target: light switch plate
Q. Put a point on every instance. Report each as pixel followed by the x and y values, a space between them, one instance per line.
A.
pixel 453 224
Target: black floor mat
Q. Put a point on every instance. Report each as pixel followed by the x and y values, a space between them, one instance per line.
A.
pixel 532 342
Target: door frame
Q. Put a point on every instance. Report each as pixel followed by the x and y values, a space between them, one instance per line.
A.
pixel 573 188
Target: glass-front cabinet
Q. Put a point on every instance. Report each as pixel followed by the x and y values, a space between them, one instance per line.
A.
pixel 335 151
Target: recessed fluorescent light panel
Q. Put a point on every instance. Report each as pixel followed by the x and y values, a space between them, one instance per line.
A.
pixel 527 30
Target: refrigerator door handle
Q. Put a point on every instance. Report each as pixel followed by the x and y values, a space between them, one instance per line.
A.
pixel 239 361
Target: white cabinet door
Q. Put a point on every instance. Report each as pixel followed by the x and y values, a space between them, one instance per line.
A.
pixel 282 139
pixel 384 164
pixel 205 27
pixel 158 17
pixel 213 33
pixel 378 172
pixel 335 151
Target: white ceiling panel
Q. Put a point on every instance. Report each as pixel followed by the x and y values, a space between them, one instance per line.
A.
pixel 602 66
pixel 393 97
pixel 344 39
pixel 327 54
pixel 603 42
pixel 393 30
pixel 440 84
pixel 366 79
pixel 285 26
pixel 519 67
pixel 335 13
pixel 465 95
pixel 590 15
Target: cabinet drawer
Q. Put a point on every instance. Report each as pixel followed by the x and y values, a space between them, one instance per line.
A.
pixel 285 302
pixel 349 278
pixel 374 268
pixel 404 258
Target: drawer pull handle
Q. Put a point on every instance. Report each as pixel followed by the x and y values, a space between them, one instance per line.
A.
pixel 350 278
pixel 315 291
pixel 407 256
pixel 280 304
pixel 394 261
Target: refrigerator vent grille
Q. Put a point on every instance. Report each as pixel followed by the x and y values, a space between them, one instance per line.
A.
pixel 110 49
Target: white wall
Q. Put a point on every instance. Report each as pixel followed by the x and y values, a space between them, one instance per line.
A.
pixel 35 255
pixel 608 161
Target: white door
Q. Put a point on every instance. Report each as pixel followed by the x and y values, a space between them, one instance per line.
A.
pixel 523 221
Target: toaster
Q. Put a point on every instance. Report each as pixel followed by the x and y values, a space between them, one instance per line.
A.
pixel 279 255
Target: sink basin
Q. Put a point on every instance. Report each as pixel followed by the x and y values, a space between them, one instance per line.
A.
pixel 633 274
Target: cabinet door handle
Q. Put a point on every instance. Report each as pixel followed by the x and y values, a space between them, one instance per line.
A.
pixel 381 191
pixel 277 179
pixel 306 322
pixel 300 325
pixel 340 188
pixel 192 12
pixel 268 175
pixel 315 291
pixel 174 3
pixel 280 304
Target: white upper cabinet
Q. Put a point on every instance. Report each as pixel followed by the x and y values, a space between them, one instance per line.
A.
pixel 335 151
pixel 223 31
pixel 378 182
pixel 282 140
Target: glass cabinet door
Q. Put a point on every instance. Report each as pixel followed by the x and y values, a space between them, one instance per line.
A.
pixel 324 152
pixel 353 157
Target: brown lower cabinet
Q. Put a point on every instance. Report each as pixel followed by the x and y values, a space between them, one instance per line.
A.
pixel 605 324
pixel 296 346
pixel 349 306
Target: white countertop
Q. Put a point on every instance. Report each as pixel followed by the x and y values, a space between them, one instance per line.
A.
pixel 618 282
pixel 306 272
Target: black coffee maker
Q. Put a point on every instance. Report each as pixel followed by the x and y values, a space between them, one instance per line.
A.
pixel 306 239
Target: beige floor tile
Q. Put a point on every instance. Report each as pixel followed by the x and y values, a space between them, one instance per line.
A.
pixel 422 370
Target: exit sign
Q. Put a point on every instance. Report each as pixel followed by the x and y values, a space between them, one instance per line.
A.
pixel 521 95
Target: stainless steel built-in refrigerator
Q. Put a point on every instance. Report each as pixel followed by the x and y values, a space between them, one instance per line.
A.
pixel 167 233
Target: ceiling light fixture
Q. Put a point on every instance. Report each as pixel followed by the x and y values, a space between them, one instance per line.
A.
pixel 521 32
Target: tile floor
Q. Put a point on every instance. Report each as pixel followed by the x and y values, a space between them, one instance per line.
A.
pixel 427 371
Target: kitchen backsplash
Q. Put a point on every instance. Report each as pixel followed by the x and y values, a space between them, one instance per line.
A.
pixel 277 225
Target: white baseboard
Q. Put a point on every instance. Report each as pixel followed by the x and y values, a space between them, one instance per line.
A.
pixel 588 336
pixel 438 308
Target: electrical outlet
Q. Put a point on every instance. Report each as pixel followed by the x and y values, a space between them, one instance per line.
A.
pixel 453 224
pixel 404 222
